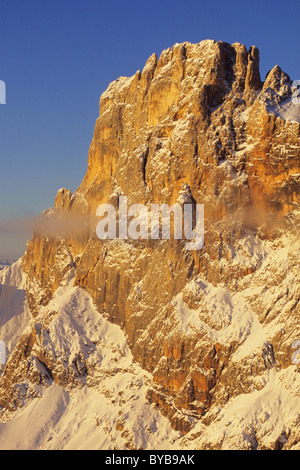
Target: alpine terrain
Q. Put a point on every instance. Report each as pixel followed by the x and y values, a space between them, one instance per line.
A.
pixel 143 344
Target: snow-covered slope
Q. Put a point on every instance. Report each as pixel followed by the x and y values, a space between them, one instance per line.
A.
pixel 262 419
pixel 107 409
pixel 289 111
pixel 14 311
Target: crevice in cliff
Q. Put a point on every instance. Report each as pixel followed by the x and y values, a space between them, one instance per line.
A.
pixel 144 165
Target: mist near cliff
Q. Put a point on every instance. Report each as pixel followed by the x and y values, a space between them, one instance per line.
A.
pixel 14 233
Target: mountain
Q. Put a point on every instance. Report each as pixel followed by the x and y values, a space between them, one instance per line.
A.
pixel 4 264
pixel 143 343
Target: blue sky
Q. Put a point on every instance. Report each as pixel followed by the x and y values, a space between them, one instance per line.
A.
pixel 58 56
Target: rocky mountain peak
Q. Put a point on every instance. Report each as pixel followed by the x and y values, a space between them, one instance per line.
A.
pixel 208 325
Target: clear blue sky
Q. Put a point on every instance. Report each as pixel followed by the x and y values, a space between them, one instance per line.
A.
pixel 58 56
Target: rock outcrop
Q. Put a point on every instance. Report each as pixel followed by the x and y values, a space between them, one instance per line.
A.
pixel 198 122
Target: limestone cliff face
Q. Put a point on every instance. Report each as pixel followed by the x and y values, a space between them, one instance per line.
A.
pixel 198 121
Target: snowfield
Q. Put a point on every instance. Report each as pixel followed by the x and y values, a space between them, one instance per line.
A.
pixel 110 410
pixel 14 312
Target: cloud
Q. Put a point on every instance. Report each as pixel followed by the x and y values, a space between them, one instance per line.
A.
pixel 14 233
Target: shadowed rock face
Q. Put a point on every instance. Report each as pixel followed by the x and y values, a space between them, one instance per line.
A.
pixel 196 121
